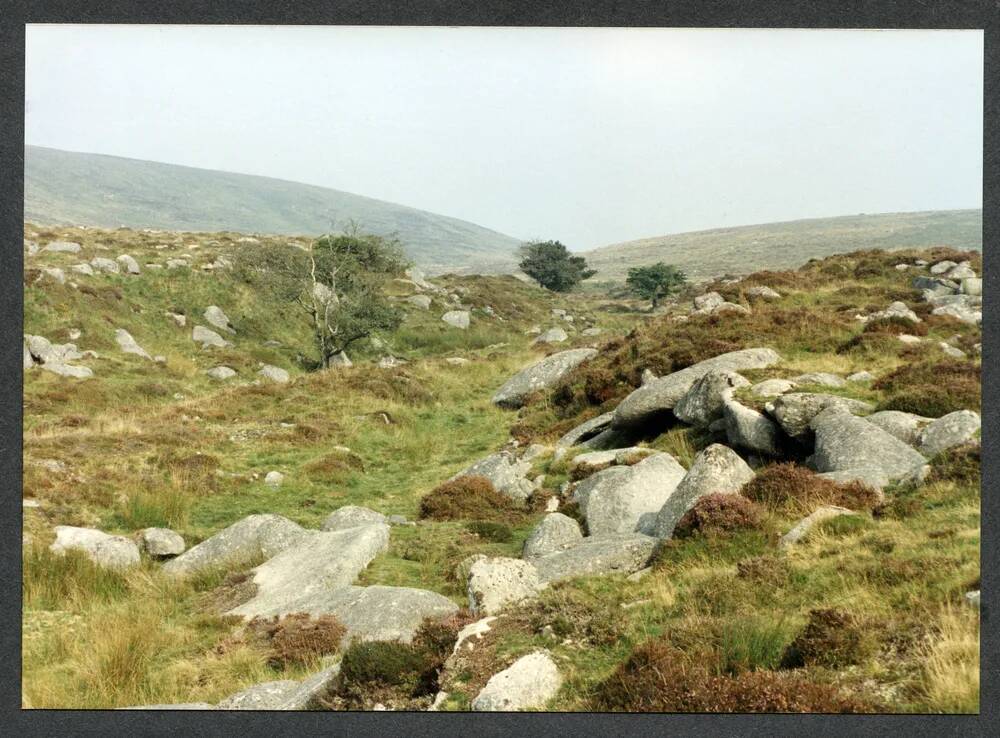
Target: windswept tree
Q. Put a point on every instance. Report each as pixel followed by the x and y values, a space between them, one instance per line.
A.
pixel 337 282
pixel 654 282
pixel 551 265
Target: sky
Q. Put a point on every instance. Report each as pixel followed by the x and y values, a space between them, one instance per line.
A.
pixel 588 136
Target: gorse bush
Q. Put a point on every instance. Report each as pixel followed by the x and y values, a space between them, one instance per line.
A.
pixel 468 497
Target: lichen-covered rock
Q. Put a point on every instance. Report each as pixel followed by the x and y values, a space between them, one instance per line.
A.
pixel 772 387
pixel 716 469
pixel 844 441
pixel 351 516
pixel 208 338
pixel 506 472
pixel 822 378
pixel 708 301
pixel 530 682
pixel 653 400
pixel 300 578
pixel 274 478
pixel 556 532
pixel 250 539
pixel 128 344
pixel 795 410
pixel 129 264
pixel 457 318
pixel 161 542
pixel 764 292
pixel 622 554
pixel 540 375
pixel 552 335
pixel 749 429
pixel 948 431
pixel 495 583
pixel 896 311
pixel 421 301
pixel 217 318
pixel 907 427
pixel 221 372
pixel 960 312
pixel 274 373
pixel 68 247
pixel 629 502
pixel 381 613
pixel 107 551
pixel 703 403
pixel 101 264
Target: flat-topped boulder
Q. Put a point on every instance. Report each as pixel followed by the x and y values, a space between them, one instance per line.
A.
pixel 716 469
pixel 243 543
pixel 494 583
pixel 300 578
pixel 161 542
pixel 628 503
pixel 529 683
pixel 540 375
pixel 845 441
pixel 620 554
pixel 795 410
pixel 658 396
pixel 107 551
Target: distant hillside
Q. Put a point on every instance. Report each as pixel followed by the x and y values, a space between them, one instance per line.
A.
pixel 704 254
pixel 67 188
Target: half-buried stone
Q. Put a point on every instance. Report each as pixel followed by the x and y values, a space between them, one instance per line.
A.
pixel 615 554
pixel 703 403
pixel 529 683
pixel 844 442
pixel 556 532
pixel 351 516
pixel 107 551
pixel 302 577
pixel 243 543
pixel 628 502
pixel 796 410
pixel 540 375
pixel 653 400
pixel 506 472
pixel 716 469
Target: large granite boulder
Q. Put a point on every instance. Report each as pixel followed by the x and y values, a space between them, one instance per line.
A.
pixel 585 431
pixel 845 441
pixel 652 400
pixel 702 404
pixel 351 516
pixel 948 431
pixel 795 410
pixel 621 554
pixel 161 543
pixel 629 502
pixel 253 538
pixel 506 472
pixel 495 583
pixel 301 577
pixel 907 427
pixel 749 429
pixel 208 338
pixel 218 319
pixel 109 552
pixel 552 335
pixel 529 683
pixel 457 318
pixel 540 375
pixel 556 532
pixel 716 469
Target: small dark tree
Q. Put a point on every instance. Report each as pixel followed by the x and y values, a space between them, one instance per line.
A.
pixel 655 282
pixel 551 265
pixel 337 282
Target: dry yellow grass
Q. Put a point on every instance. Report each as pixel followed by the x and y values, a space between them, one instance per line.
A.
pixel 951 665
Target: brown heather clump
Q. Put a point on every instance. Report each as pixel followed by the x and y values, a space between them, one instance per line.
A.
pixel 764 569
pixel 933 388
pixel 718 514
pixel 831 638
pixel 661 678
pixel 960 465
pixel 298 638
pixel 469 497
pixel 788 485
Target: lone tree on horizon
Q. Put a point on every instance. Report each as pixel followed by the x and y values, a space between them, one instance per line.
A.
pixel 656 281
pixel 336 282
pixel 552 265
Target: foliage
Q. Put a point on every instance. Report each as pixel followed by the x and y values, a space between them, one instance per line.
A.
pixel 655 282
pixel 831 638
pixel 552 266
pixel 467 497
pixel 297 638
pixel 932 388
pixel 718 514
pixel 788 485
pixel 336 283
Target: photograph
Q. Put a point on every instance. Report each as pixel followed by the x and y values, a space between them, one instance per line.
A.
pixel 430 368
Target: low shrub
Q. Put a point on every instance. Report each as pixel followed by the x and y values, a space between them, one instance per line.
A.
pixel 467 497
pixel 831 638
pixel 333 467
pixel 716 514
pixel 298 638
pixel 752 644
pixel 788 485
pixel 660 678
pixel 766 569
pixel 490 531
pixel 932 388
pixel 573 613
pixel 961 465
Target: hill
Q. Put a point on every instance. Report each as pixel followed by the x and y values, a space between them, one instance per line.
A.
pixel 706 254
pixel 69 188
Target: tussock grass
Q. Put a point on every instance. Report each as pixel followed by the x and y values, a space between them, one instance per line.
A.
pixel 950 679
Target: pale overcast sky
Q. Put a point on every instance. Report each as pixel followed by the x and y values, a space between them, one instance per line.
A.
pixel 589 136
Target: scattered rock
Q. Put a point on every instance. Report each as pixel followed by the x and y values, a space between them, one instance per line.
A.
pixel 221 372
pixel 862 376
pixel 716 469
pixel 648 402
pixel 802 528
pixel 129 265
pixel 457 318
pixel 84 269
pixel 108 552
pixel 540 375
pixel 421 301
pixel 960 312
pixel 556 532
pixel 952 351
pixel 942 266
pixel 67 247
pixel 552 335
pixel 495 583
pixel 622 554
pixel 821 378
pixel 457 361
pixel 896 311
pixel 340 359
pixel 109 266
pixel 908 339
pixel 128 344
pixel 530 682
pixel 68 370
pixel 708 301
pixel 703 403
pixel 948 431
pixel 960 272
pixel 274 479
pixel 351 516
pixel 215 317
pixel 765 292
pixel 972 286
pixel 252 538
pixel 161 542
pixel 506 472
pixel 179 319
pixel 274 373
pixel 207 337
pixel 591 332
pixel 772 387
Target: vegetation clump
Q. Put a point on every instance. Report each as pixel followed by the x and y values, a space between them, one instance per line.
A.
pixel 552 265
pixel 298 638
pixel 932 388
pixel 468 497
pixel 832 638
pixel 654 282
pixel 718 514
pixel 787 485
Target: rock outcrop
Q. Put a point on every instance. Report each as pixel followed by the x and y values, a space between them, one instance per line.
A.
pixel 540 375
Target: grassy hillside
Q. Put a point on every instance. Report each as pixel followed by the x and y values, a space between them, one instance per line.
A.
pixel 146 444
pixel 68 188
pixel 706 254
